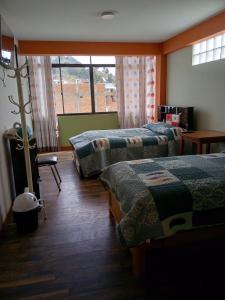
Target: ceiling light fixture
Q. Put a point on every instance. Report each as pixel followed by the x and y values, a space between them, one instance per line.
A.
pixel 108 15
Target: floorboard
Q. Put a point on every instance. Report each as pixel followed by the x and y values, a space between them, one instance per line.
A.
pixel 75 254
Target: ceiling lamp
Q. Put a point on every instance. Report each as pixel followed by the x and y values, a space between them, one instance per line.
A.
pixel 108 15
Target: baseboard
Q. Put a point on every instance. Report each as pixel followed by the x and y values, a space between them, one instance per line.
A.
pixel 61 148
pixel 66 148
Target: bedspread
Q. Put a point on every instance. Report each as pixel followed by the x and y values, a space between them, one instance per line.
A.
pixel 161 196
pixel 97 149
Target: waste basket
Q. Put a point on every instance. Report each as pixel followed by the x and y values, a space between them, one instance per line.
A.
pixel 25 212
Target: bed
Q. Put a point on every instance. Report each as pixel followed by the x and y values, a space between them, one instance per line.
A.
pixel 166 199
pixel 94 150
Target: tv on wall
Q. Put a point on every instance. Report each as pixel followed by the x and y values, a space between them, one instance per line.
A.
pixel 6 44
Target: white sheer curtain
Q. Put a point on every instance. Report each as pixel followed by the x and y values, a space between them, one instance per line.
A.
pixel 43 105
pixel 135 77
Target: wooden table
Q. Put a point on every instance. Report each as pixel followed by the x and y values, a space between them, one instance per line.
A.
pixel 202 137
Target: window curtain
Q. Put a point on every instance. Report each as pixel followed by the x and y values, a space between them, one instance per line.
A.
pixel 43 105
pixel 135 81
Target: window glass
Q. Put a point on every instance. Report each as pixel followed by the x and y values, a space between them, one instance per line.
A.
pixel 195 59
pixel 209 50
pixel 210 44
pixel 217 54
pixel 105 89
pixel 55 59
pixel 202 57
pixel 203 46
pixel 76 90
pixel 196 49
pixel 101 60
pixel 223 40
pixel 73 84
pixel 209 56
pixel 75 59
pixel 223 52
pixel 218 40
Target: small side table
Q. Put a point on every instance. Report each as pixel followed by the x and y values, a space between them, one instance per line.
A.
pixel 202 137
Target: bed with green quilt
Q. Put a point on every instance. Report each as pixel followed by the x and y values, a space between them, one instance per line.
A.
pixel 94 150
pixel 163 197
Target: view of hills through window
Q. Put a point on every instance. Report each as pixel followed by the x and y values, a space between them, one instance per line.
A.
pixel 84 84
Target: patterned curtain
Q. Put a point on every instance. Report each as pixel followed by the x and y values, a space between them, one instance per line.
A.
pixel 135 77
pixel 43 105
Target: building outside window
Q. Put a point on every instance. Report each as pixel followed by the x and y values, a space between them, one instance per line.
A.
pixel 84 84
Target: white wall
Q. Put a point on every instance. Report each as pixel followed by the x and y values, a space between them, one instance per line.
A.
pixel 6 121
pixel 201 86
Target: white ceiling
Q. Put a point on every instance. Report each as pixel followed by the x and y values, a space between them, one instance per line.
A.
pixel 137 21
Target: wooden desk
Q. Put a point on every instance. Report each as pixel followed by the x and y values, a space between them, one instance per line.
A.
pixel 202 137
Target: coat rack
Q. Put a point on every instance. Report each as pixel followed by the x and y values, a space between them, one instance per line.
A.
pixel 21 106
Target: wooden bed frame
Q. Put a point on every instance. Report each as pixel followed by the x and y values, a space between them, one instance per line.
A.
pixel 181 238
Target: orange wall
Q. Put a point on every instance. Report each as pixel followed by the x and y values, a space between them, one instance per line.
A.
pixel 210 27
pixel 87 48
pixel 161 71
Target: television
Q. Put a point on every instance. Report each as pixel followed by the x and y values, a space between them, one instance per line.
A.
pixel 7 44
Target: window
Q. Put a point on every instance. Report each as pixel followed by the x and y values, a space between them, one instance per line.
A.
pixel 209 50
pixel 84 84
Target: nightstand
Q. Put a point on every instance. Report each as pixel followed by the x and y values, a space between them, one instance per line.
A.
pixel 202 137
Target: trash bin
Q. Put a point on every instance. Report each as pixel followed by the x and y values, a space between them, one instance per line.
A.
pixel 25 212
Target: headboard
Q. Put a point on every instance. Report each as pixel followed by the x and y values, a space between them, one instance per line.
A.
pixel 186 114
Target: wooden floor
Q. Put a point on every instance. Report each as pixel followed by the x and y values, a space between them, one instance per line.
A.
pixel 75 253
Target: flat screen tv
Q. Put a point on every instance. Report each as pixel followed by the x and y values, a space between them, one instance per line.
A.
pixel 6 44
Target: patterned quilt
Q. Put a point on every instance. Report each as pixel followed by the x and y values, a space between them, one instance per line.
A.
pixel 98 149
pixel 161 196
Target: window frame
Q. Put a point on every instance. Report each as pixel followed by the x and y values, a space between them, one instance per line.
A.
pixel 92 91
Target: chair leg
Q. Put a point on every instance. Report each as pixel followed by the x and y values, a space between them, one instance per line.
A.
pixel 55 178
pixel 57 173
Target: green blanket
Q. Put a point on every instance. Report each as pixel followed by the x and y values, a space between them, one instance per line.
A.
pixel 98 149
pixel 161 196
